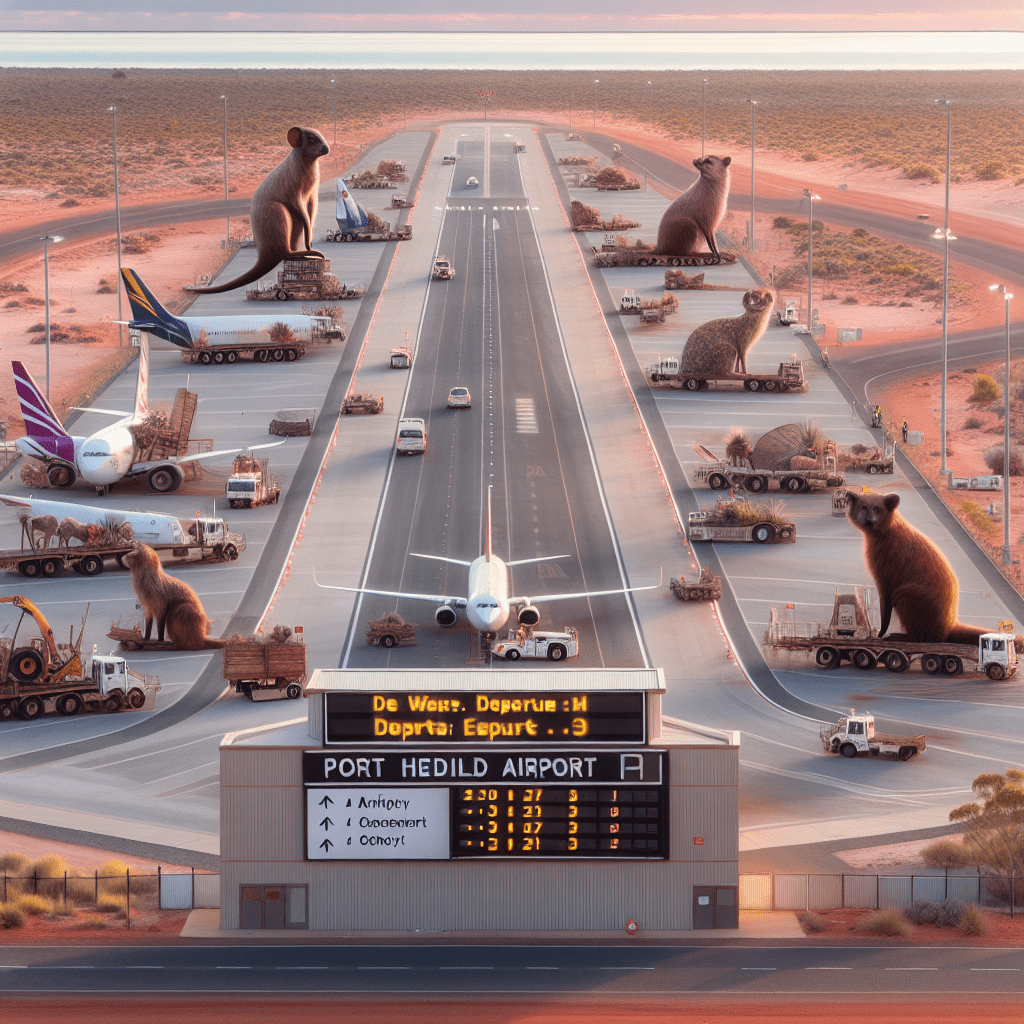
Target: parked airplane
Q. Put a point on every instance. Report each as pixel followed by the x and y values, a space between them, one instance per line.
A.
pixel 488 603
pixel 183 331
pixel 107 456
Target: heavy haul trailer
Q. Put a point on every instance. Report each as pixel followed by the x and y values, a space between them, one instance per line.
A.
pixel 851 637
pixel 743 521
pixel 40 675
pixel 788 377
pixel 720 475
pixel 623 257
pixel 309 279
pixel 265 670
pixel 367 234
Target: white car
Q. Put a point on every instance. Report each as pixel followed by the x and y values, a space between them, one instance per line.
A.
pixel 459 398
pixel 472 182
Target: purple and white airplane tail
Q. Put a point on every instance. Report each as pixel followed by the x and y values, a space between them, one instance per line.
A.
pixel 45 436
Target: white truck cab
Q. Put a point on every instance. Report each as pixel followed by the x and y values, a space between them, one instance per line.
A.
pixel 412 437
pixel 538 643
pixel 997 655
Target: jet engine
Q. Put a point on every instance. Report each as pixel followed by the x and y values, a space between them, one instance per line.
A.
pixel 446 615
pixel 528 615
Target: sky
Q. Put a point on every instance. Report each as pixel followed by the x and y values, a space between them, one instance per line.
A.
pixel 516 15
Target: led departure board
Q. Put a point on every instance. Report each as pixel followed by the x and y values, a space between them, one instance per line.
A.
pixel 575 802
pixel 507 718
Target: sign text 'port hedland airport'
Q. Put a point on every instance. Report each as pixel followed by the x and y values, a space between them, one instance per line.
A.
pixel 493 718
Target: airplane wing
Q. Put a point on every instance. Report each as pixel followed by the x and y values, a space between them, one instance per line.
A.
pixel 458 602
pixel 105 412
pixel 519 601
pixel 208 455
pixel 441 558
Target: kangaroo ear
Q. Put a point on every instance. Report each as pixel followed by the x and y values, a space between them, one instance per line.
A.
pixel 891 501
pixel 726 160
pixel 295 137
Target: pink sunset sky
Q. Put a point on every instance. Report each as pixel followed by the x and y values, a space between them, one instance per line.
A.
pixel 515 16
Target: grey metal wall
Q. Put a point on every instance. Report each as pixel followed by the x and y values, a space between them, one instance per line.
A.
pixel 262 840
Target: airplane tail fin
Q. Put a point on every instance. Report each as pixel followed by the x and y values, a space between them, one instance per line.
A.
pixel 40 419
pixel 148 315
pixel 142 385
pixel 487 544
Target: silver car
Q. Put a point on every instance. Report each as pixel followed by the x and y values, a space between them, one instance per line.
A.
pixel 459 398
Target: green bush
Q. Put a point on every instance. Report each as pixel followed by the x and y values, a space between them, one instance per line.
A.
pixel 886 922
pixel 921 912
pixel 813 922
pixel 985 389
pixel 11 916
pixel 994 459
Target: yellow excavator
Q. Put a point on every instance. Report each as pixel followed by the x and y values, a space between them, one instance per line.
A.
pixel 42 659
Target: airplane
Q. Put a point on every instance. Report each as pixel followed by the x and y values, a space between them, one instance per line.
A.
pixel 488 603
pixel 107 456
pixel 183 331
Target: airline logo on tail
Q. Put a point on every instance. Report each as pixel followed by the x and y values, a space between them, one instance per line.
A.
pixel 149 315
pixel 45 435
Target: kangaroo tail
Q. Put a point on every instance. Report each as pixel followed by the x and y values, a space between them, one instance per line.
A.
pixel 215 643
pixel 263 265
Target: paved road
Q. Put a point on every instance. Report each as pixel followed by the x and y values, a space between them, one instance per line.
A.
pixel 646 971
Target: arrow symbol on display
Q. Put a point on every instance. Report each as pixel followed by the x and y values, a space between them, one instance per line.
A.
pixel 326 844
pixel 327 823
pixel 326 800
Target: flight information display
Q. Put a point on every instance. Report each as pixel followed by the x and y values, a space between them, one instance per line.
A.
pixel 410 718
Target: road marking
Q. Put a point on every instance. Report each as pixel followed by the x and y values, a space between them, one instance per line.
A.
pixel 910 968
pixel 465 968
pixel 302 968
pixel 526 417
pixel 542 968
pixel 759 968
pixel 383 968
pixel 828 968
pixel 142 967
pixel 993 968
pixel 627 968
pixel 219 968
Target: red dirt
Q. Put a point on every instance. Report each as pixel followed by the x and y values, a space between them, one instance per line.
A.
pixel 843 928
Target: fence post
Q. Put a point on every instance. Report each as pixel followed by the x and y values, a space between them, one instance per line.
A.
pixel 192 898
pixel 96 886
pixel 128 896
pixel 159 889
pixel 65 888
pixel 877 896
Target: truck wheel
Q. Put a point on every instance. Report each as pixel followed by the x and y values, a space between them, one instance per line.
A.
pixel 231 356
pixel 752 385
pixel 164 479
pixel 770 385
pixel 6 710
pixel 931 663
pixel 230 553
pixel 906 753
pixel 995 672
pixel 291 355
pixel 388 640
pixel 26 665
pixel 31 708
pixel 50 567
pixel 848 750
pixel 864 660
pixel 827 657
pixel 763 533
pixel 642 262
pixel 792 484
pixel 205 358
pixel 952 665
pixel 277 355
pixel 872 470
pixel 757 484
pixel 785 533
pixel 218 358
pixel 113 701
pixel 556 652
pixel 896 661
pixel 281 295
pixel 293 691
pixel 691 384
pixel 717 482
pixel 60 476
pixel 261 355
pixel 68 704
pixel 136 697
pixel 29 569
pixel 91 565
pixel 511 654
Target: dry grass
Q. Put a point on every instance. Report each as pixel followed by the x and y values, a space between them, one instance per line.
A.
pixel 56 129
pixel 886 922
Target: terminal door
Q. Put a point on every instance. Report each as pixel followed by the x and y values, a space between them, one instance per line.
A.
pixel 715 906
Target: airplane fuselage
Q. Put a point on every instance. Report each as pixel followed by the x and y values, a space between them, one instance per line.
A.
pixel 487 608
pixel 106 456
pixel 236 330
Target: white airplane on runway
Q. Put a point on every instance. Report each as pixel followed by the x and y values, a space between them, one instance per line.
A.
pixel 488 603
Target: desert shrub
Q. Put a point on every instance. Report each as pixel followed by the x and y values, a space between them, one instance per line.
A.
pixel 33 906
pixel 950 913
pixel 13 304
pixel 8 286
pixel 900 270
pixel 11 916
pixel 886 922
pixel 984 389
pixel 972 423
pixel 782 222
pixel 70 201
pixel 851 300
pixel 810 156
pixel 13 863
pixel 105 287
pixel 974 921
pixel 921 912
pixel 61 910
pixel 119 74
pixel 135 244
pixel 974 515
pixel 992 171
pixel 49 871
pixel 90 922
pixel 922 172
pixel 114 905
pixel 113 876
pixel 946 853
pixel 813 922
pixel 994 459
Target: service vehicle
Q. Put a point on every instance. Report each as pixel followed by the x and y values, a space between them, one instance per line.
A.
pixel 649 310
pixel 39 675
pixel 852 636
pixel 880 459
pixel 720 475
pixel 400 201
pixel 524 642
pixel 250 484
pixel 459 398
pixel 976 483
pixel 707 588
pixel 740 520
pixel 391 631
pixel 412 437
pixel 625 257
pixel 788 315
pixel 383 234
pixel 855 734
pixel 518 146
pixel 788 377
pixel 449 158
pixel 443 269
pixel 264 669
pixel 305 279
pixel 472 182
pixel 359 402
pixel 400 359
pixel 95 535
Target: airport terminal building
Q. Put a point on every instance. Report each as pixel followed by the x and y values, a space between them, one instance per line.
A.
pixel 516 801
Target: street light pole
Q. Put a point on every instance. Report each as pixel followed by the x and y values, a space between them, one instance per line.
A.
pixel 1001 288
pixel 947 238
pixel 810 256
pixel 650 105
pixel 596 82
pixel 117 217
pixel 753 107
pixel 46 240
pixel 703 113
pixel 334 86
pixel 227 214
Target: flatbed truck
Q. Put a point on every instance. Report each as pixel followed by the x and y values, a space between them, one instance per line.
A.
pixel 788 377
pixel 721 475
pixel 855 734
pixel 624 257
pixel 265 670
